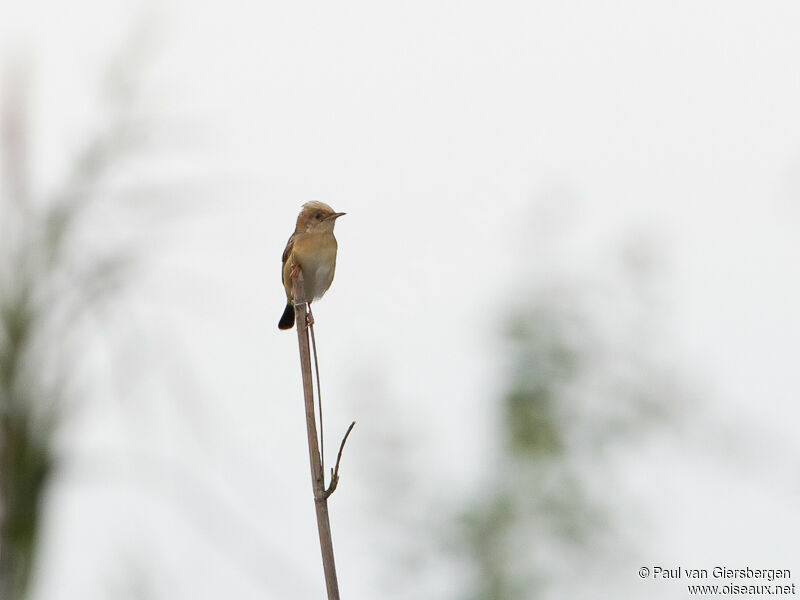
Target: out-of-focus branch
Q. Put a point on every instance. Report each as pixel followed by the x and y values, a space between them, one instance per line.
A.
pixel 14 135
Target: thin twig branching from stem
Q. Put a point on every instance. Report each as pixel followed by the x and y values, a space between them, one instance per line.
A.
pixel 335 472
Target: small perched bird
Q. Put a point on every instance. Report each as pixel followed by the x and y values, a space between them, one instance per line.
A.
pixel 312 249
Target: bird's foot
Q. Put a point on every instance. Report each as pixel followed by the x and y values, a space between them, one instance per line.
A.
pixel 295 272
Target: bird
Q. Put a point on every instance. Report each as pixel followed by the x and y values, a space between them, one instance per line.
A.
pixel 311 248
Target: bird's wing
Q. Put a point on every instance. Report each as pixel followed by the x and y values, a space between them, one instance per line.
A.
pixel 288 250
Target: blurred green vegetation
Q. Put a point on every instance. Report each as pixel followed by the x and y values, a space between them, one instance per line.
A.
pixel 581 385
pixel 582 388
pixel 49 286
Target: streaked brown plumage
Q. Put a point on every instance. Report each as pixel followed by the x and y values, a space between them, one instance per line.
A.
pixel 312 248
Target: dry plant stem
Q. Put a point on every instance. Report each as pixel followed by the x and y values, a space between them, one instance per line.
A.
pixel 317 474
pixel 319 400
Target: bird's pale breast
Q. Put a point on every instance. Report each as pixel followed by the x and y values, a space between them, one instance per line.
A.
pixel 316 255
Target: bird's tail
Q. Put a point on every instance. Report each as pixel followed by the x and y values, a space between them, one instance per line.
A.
pixel 287 320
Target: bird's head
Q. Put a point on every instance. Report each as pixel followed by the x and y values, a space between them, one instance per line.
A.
pixel 316 217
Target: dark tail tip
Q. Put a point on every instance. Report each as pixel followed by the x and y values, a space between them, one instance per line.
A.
pixel 287 320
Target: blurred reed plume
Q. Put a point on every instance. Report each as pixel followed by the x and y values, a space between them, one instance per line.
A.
pixel 54 277
pixel 581 386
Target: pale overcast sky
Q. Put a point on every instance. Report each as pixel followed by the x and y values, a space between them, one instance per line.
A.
pixel 476 148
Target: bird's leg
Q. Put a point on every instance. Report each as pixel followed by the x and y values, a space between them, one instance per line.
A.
pixel 309 316
pixel 294 274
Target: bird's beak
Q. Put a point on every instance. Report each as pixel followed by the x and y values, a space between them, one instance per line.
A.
pixel 335 216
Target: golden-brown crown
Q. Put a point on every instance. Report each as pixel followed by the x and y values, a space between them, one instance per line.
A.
pixel 316 216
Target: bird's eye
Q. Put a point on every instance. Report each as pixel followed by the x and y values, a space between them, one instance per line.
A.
pixel 318 216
